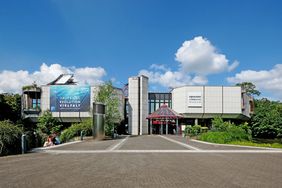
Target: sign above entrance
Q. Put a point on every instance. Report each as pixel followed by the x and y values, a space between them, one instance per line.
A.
pixel 194 99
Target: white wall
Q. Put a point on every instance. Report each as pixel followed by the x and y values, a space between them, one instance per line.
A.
pixel 232 103
pixel 143 105
pixel 133 105
pixel 179 100
pixel 45 98
pixel 134 102
pixel 215 100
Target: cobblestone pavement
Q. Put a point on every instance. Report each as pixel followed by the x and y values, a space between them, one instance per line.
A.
pixel 150 169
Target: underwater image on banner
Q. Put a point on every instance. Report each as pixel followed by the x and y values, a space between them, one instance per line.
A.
pixel 69 98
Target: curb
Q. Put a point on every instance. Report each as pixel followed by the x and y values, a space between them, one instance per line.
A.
pixel 216 144
pixel 56 146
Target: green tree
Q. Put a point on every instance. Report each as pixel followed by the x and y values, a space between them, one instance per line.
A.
pixel 10 107
pixel 47 124
pixel 249 87
pixel 267 119
pixel 10 138
pixel 108 96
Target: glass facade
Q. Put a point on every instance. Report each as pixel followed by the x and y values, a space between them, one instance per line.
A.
pixel 158 99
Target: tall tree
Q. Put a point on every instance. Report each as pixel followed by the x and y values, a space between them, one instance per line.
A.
pixel 249 87
pixel 10 107
pixel 108 96
pixel 48 124
pixel 267 119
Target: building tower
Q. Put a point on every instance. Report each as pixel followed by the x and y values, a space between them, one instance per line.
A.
pixel 138 105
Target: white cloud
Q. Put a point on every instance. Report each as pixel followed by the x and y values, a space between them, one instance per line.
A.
pixel 12 81
pixel 199 56
pixel 266 80
pixel 171 79
pixel 89 75
pixel 159 67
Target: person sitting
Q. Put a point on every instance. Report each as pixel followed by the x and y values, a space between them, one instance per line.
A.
pixel 56 139
pixel 49 142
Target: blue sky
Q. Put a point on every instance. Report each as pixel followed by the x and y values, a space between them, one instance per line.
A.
pixel 114 39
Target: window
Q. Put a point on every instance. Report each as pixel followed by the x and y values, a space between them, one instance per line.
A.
pixel 35 103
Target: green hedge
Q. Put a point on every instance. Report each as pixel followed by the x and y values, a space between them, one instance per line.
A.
pixel 216 137
pixel 75 129
pixel 232 133
pixel 10 138
pixel 225 132
pixel 192 130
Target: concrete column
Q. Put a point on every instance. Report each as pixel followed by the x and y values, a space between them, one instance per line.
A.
pixel 196 121
pixel 166 127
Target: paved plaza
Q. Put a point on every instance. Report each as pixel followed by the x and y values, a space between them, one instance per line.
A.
pixel 143 161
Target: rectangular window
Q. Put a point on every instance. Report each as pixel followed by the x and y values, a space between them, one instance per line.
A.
pixel 152 107
pixel 34 103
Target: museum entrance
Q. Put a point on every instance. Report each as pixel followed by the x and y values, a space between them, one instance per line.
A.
pixel 160 128
pixel 164 121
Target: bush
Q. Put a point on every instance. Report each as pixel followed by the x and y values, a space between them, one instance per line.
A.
pixel 216 137
pixel 192 130
pixel 75 130
pixel 204 129
pixel 225 132
pixel 10 138
pixel 48 124
pixel 219 125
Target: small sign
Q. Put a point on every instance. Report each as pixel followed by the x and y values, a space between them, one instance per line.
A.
pixel 194 99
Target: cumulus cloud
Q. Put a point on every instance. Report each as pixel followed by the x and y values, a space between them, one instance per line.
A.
pixel 197 59
pixel 159 67
pixel 172 79
pixel 267 80
pixel 12 81
pixel 201 57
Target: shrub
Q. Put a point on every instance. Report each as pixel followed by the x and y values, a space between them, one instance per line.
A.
pixel 10 138
pixel 219 125
pixel 75 130
pixel 48 124
pixel 216 137
pixel 232 133
pixel 192 130
pixel 204 129
pixel 225 132
pixel 188 130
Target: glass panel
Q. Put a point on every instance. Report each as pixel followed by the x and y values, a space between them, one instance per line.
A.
pixel 34 103
pixel 152 107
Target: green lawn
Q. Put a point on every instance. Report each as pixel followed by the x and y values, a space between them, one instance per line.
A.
pixel 249 143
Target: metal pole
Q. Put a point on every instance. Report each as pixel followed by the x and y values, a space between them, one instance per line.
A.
pixel 176 126
pixel 166 127
pixel 23 141
pixel 81 135
pixel 151 126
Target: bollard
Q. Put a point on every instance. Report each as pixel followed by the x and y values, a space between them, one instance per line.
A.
pixel 81 135
pixel 23 143
pixel 99 121
pixel 36 139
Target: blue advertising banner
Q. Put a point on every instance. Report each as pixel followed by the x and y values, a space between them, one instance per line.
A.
pixel 69 98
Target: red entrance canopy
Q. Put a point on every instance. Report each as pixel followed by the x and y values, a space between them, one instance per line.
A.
pixel 164 112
